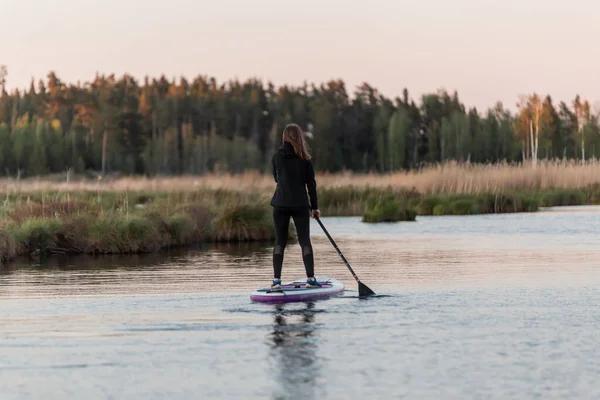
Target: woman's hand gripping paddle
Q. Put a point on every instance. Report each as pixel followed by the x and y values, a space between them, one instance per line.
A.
pixel 363 290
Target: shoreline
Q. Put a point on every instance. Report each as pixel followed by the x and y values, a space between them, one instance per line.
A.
pixel 47 222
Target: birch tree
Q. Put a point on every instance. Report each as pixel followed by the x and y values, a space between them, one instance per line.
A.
pixel 3 74
pixel 530 108
pixel 582 113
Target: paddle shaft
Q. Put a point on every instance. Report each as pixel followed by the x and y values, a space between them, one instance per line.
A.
pixel 338 250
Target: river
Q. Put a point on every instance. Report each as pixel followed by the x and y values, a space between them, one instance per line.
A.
pixel 477 307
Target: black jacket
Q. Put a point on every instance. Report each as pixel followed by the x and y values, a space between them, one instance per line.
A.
pixel 293 176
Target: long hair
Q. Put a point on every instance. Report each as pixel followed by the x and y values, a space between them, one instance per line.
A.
pixel 294 135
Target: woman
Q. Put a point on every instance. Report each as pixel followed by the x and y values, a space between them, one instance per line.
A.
pixel 293 173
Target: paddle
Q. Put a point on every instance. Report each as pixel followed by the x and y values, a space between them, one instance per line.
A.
pixel 363 290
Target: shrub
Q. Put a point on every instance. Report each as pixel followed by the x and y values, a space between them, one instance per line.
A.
pixel 73 236
pixel 138 234
pixel 388 209
pixel 243 222
pixel 563 197
pixel 440 209
pixel 201 218
pixel 182 230
pixel 427 204
pixel 103 235
pixel 465 206
pixel 37 235
pixel 8 246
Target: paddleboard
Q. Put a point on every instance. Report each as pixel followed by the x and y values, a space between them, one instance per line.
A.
pixel 297 291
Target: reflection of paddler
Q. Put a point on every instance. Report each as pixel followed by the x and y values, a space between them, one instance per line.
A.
pixel 294 351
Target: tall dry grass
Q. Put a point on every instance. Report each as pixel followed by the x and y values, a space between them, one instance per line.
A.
pixel 440 179
pixel 451 178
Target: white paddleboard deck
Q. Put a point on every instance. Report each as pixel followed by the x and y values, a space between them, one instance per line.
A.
pixel 297 291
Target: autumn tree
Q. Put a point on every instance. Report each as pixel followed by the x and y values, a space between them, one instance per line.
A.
pixel 582 114
pixel 530 108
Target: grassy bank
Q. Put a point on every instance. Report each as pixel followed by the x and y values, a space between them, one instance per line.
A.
pixel 375 203
pixel 42 217
pixel 388 204
pixel 128 222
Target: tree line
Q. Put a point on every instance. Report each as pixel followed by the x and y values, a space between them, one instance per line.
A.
pixel 172 127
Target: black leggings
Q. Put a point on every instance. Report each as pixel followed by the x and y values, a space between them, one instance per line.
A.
pixel 281 217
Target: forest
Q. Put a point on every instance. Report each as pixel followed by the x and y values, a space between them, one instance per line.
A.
pixel 166 127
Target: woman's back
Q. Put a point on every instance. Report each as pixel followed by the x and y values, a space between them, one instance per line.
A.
pixel 294 176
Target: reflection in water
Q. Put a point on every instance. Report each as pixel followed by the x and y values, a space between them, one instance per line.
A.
pixel 444 252
pixel 293 347
pixel 192 269
pixel 243 249
pixel 175 256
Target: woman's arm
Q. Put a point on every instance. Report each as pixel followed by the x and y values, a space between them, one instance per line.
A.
pixel 311 184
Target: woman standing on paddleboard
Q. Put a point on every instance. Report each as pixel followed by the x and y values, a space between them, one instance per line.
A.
pixel 294 174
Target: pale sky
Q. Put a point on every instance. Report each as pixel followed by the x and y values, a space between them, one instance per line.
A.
pixel 486 50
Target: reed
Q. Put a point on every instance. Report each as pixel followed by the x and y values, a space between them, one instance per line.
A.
pixel 449 177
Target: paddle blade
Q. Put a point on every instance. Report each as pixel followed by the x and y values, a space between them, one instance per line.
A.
pixel 363 290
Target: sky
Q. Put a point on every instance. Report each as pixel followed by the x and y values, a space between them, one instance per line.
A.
pixel 486 50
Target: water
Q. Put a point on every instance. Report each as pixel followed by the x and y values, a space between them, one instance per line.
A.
pixel 481 307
